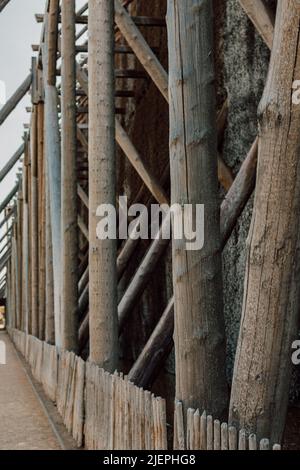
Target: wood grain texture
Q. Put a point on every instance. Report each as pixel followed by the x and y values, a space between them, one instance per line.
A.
pixel 102 185
pixel 69 227
pixel 262 17
pixel 199 334
pixel 262 369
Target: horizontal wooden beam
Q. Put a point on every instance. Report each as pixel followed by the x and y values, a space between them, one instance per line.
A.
pixel 149 21
pixel 119 49
pixel 122 73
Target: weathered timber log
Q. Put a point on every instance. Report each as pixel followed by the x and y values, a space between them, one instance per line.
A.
pixel 83 227
pixel 127 147
pixel 83 196
pixel 41 218
pixel 141 49
pixel 103 318
pixel 15 99
pixel 69 227
pixel 34 225
pixel 155 70
pixel 197 274
pixel 4 259
pixel 145 369
pixel 239 194
pixel 3 4
pixel 52 40
pixel 156 350
pixel 9 197
pixel 231 209
pixel 6 234
pixel 20 254
pixel 49 312
pixel 262 18
pixel 9 214
pixel 11 163
pixel 26 314
pixel 141 277
pixel 262 371
pixel 53 168
pixel 139 165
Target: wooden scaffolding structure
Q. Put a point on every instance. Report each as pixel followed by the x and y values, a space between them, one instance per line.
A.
pixel 62 281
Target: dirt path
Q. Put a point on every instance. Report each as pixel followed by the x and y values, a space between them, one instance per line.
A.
pixel 23 422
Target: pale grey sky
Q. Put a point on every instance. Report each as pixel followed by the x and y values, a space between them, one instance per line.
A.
pixel 18 31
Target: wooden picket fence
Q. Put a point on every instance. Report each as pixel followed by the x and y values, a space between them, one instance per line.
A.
pixel 107 412
pixel 102 411
pixel 202 432
pixel 120 415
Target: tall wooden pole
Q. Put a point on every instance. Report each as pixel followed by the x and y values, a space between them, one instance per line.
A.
pixel 102 185
pixel 197 275
pixel 14 275
pixel 34 223
pixel 19 255
pixel 52 40
pixel 269 322
pixel 49 291
pixel 25 247
pixel 41 217
pixel 69 228
pixel 53 168
pixel 13 313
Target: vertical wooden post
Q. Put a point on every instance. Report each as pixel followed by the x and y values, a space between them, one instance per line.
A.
pixel 34 225
pixel 53 168
pixel 19 256
pixel 102 186
pixel 27 156
pixel 69 227
pixel 41 218
pixel 197 275
pixel 14 276
pixel 49 313
pixel 52 40
pixel 25 246
pixel 9 292
pixel 270 315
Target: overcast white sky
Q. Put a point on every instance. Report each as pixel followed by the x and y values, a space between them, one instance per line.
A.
pixel 18 31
